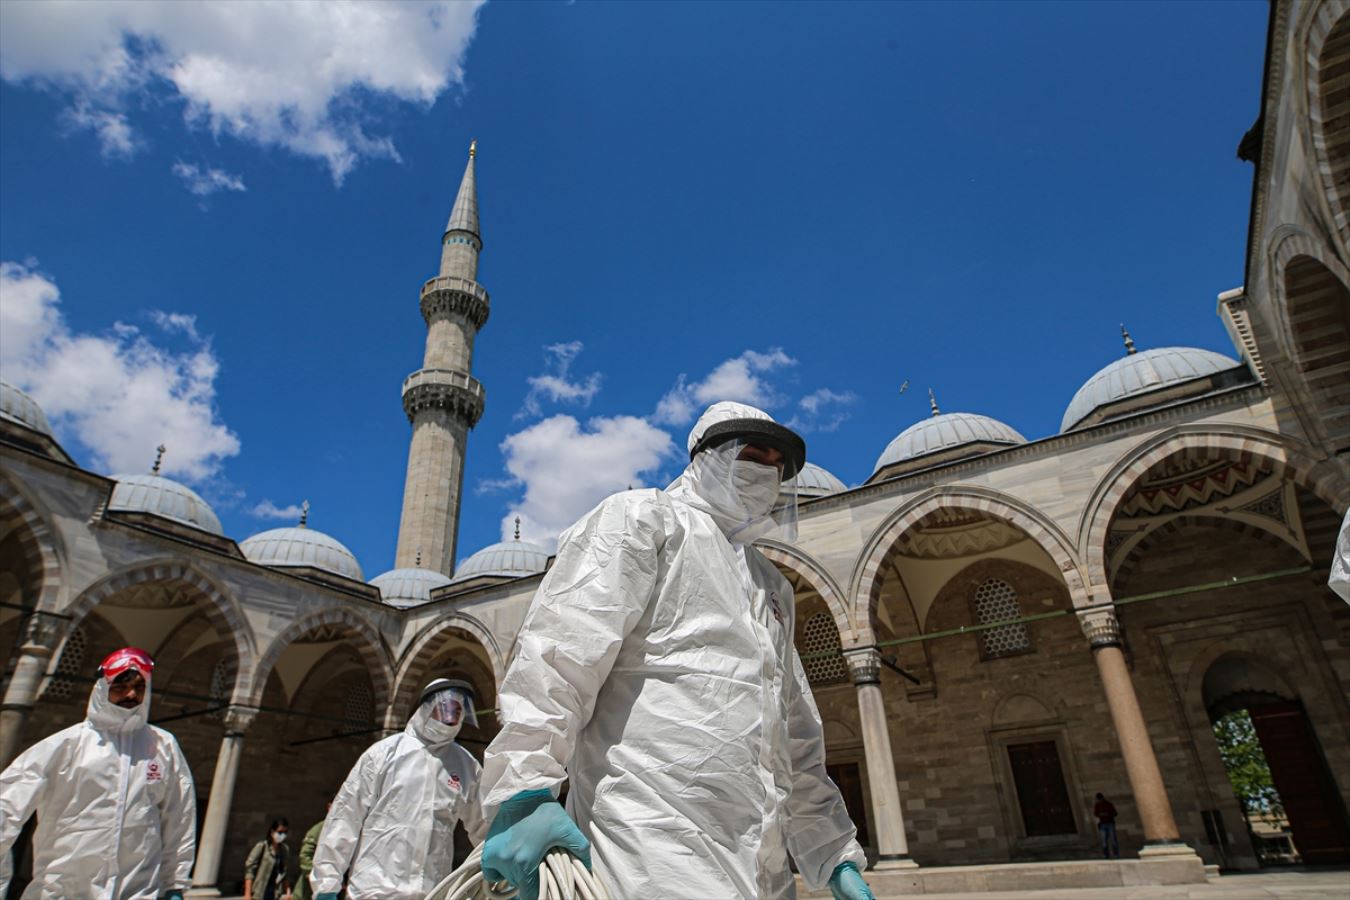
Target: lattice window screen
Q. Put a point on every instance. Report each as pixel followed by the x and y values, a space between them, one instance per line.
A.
pixel 819 635
pixel 220 688
pixel 68 668
pixel 995 601
pixel 360 710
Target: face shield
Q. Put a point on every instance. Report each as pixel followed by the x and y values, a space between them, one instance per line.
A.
pixel 746 468
pixel 451 703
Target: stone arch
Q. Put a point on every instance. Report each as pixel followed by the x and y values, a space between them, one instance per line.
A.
pixel 370 646
pixel 1279 451
pixel 38 541
pixel 214 601
pixel 809 570
pixel 1155 537
pixel 1287 244
pixel 409 671
pixel 868 574
pixel 1316 312
pixel 1325 37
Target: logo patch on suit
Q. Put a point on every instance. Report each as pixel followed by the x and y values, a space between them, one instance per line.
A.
pixel 153 772
pixel 454 781
pixel 773 605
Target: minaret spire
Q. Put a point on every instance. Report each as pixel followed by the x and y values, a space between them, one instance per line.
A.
pixel 442 400
pixel 932 403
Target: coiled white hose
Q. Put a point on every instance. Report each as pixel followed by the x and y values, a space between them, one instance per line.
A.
pixel 561 877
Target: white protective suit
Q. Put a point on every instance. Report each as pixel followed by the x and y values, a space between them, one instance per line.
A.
pixel 116 808
pixel 392 824
pixel 1339 580
pixel 656 667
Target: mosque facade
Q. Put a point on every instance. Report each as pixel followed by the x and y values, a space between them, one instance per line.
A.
pixel 995 628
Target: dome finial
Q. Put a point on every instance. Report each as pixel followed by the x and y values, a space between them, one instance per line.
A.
pixel 932 402
pixel 159 459
pixel 473 148
pixel 1129 341
pixel 304 514
pixel 517 527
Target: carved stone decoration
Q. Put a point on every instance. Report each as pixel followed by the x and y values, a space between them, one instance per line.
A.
pixel 238 719
pixel 1270 506
pixel 864 665
pixel 42 633
pixel 449 295
pixel 457 392
pixel 1101 627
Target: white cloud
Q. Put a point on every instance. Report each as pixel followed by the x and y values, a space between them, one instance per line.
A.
pixel 821 410
pixel 741 378
pixel 119 394
pixel 207 181
pixel 556 385
pixel 565 469
pixel 278 74
pixel 269 510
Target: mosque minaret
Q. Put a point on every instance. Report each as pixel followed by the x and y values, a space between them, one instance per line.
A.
pixel 442 400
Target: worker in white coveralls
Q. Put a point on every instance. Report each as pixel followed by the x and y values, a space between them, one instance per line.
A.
pixel 116 808
pixel 1339 579
pixel 391 827
pixel 656 670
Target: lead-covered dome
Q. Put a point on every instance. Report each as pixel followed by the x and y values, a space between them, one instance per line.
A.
pixel 508 559
pixel 815 481
pixel 18 407
pixel 946 432
pixel 302 546
pixel 1138 374
pixel 163 497
pixel 408 587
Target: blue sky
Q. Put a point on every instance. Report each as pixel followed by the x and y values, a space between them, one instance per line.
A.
pixel 215 220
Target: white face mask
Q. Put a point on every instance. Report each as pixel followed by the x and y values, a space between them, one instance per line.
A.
pixel 757 485
pixel 279 837
pixel 741 493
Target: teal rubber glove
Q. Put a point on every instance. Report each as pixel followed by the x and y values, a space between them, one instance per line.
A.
pixel 326 895
pixel 174 895
pixel 526 827
pixel 847 883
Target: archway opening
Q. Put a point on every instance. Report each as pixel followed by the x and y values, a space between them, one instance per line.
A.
pixel 1318 310
pixel 1275 764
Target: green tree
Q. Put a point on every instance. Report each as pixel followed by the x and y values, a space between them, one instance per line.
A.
pixel 1246 765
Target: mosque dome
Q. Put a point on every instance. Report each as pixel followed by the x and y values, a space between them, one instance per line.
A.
pixel 508 559
pixel 164 497
pixel 1142 373
pixel 302 546
pixel 408 587
pixel 947 431
pixel 814 481
pixel 16 406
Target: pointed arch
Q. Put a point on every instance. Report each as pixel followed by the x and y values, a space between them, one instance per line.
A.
pixel 809 570
pixel 1282 453
pixel 868 575
pixel 249 691
pixel 38 540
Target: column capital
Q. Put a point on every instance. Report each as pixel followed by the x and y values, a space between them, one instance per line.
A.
pixel 42 633
pixel 238 719
pixel 1101 628
pixel 864 665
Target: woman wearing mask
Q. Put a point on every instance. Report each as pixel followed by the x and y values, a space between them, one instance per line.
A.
pixel 265 870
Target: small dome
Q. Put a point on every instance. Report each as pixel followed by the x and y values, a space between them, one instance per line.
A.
pixel 18 407
pixel 509 559
pixel 1140 373
pixel 302 547
pixel 945 432
pixel 408 587
pixel 163 497
pixel 814 481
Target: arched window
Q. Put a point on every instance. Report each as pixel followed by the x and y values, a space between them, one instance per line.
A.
pixel 360 708
pixel 820 636
pixel 996 601
pixel 68 669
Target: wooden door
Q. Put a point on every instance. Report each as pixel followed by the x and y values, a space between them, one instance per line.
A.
pixel 1041 793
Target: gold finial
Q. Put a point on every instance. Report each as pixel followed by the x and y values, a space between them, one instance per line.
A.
pixel 517 527
pixel 932 402
pixel 473 148
pixel 159 459
pixel 1129 341
pixel 304 514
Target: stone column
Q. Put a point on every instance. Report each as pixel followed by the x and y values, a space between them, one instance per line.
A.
pixel 212 839
pixel 1161 837
pixel 43 632
pixel 888 823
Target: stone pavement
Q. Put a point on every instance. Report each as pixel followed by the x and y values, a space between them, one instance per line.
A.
pixel 1319 884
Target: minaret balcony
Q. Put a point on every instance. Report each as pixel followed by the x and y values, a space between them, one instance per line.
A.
pixel 452 295
pixel 458 392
